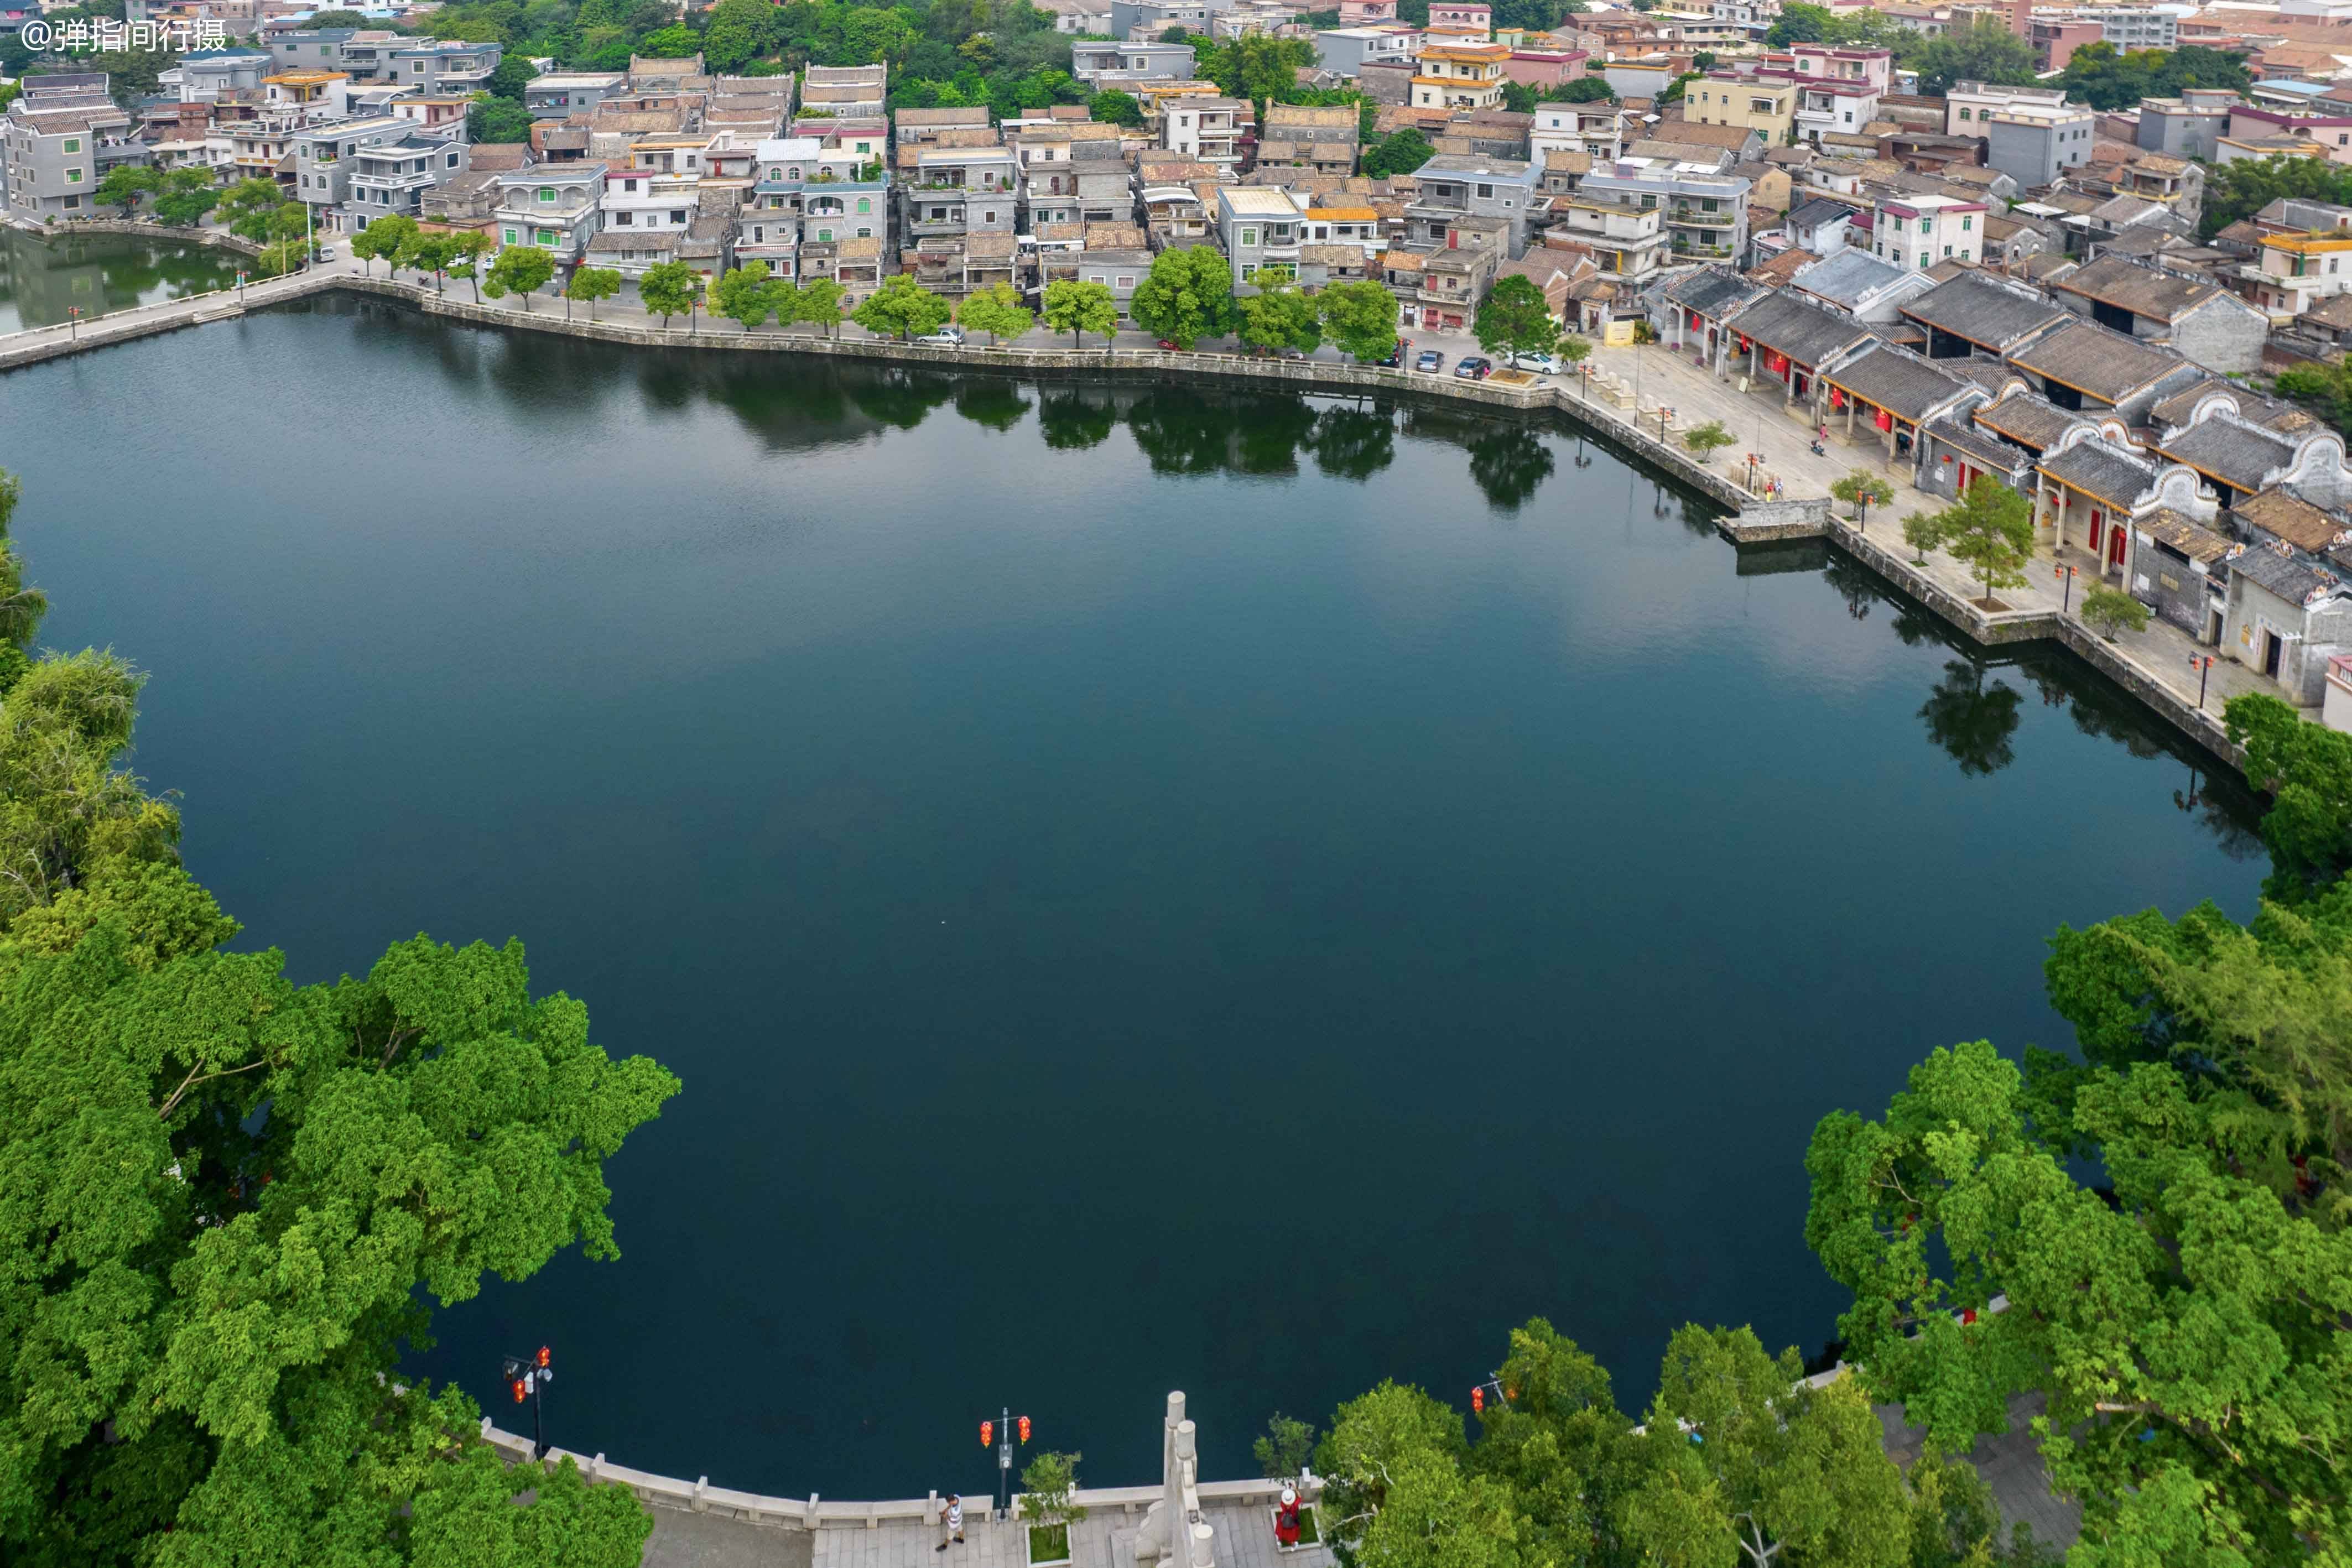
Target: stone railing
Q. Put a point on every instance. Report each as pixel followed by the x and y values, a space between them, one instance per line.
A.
pixel 813 1513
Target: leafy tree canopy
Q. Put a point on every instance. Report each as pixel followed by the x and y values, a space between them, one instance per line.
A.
pixel 229 1196
pixel 1187 296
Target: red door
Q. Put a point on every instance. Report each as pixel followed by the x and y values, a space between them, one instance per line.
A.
pixel 2117 537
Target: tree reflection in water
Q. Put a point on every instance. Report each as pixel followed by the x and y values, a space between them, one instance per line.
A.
pixel 1971 721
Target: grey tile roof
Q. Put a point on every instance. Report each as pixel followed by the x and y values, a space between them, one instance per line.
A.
pixel 2174 410
pixel 2241 455
pixel 1986 313
pixel 1819 209
pixel 2143 290
pixel 1806 334
pixel 1903 384
pixel 2093 361
pixel 2027 419
pixel 1983 445
pixel 2098 470
pixel 1712 290
pixel 2283 576
pixel 1846 276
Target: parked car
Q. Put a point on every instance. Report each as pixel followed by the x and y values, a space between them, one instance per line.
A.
pixel 1473 369
pixel 1169 344
pixel 1541 364
pixel 1431 360
pixel 326 253
pixel 1397 354
pixel 945 337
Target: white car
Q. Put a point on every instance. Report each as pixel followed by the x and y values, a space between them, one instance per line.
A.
pixel 1541 364
pixel 945 337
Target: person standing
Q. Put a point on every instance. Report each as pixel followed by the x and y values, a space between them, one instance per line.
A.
pixel 951 1523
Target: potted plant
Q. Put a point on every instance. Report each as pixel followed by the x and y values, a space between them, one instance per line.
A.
pixel 1048 1484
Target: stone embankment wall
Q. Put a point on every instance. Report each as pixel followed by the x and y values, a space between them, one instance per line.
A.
pixel 219 239
pixel 1751 521
pixel 813 1513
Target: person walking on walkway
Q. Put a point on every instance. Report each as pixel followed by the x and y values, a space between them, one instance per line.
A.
pixel 951 1524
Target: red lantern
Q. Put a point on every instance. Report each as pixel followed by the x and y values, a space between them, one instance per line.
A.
pixel 1837 398
pixel 543 1357
pixel 519 1390
pixel 1025 1428
pixel 1967 1316
pixel 987 1433
pixel 1884 421
pixel 1478 1400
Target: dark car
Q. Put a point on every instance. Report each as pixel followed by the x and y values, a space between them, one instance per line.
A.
pixel 1430 361
pixel 1396 355
pixel 1474 369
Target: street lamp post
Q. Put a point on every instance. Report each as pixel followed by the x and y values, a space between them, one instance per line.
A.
pixel 2065 574
pixel 530 1375
pixel 73 323
pixel 2204 668
pixel 240 287
pixel 989 1432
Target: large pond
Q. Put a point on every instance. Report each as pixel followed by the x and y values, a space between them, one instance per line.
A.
pixel 1146 887
pixel 41 281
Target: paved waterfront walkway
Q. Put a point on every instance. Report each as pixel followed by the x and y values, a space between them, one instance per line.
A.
pixel 1758 418
pixel 1104 1539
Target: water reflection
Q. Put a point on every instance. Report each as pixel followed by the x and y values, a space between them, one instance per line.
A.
pixel 1971 721
pixel 41 280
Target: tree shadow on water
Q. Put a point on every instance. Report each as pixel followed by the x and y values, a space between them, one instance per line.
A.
pixel 992 404
pixel 1353 443
pixel 1509 466
pixel 1073 419
pixel 1971 722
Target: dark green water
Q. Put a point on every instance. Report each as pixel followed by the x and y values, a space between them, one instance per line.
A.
pixel 40 280
pixel 1145 888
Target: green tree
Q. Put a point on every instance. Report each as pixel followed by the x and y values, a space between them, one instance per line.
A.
pixel 1280 316
pixel 673 43
pixel 523 269
pixel 508 80
pixel 1739 1446
pixel 739 31
pixel 386 237
pixel 187 194
pixel 1187 296
pixel 234 1196
pixel 1361 317
pixel 1799 23
pixel 1583 89
pixel 1400 152
pixel 818 302
pixel 1862 490
pixel 1972 723
pixel 466 259
pixel 1078 308
pixel 1287 1447
pixel 1515 317
pixel 594 284
pixel 1990 530
pixel 2307 770
pixel 1983 51
pixel 901 306
pixel 2185 1327
pixel 22 607
pixel 1112 107
pixel 1046 1483
pixel 497 120
pixel 669 288
pixel 1923 531
pixel 124 184
pixel 1708 438
pixel 996 310
pixel 2244 188
pixel 428 253
pixel 2111 610
pixel 246 206
pixel 744 295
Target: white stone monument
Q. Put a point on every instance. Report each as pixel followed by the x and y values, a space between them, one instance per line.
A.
pixel 1174 1534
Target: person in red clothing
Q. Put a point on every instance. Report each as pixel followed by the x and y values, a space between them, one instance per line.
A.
pixel 1285 1518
